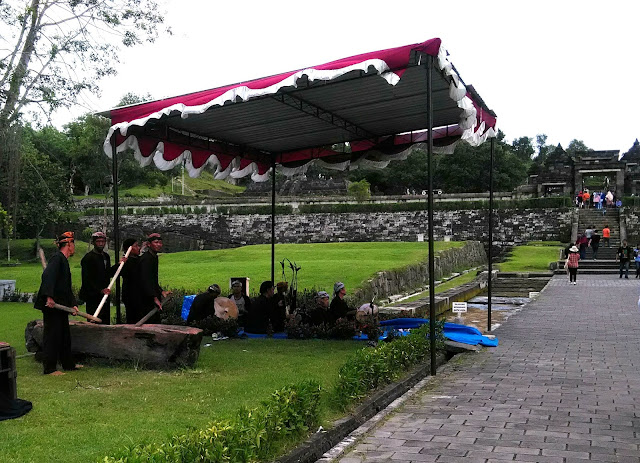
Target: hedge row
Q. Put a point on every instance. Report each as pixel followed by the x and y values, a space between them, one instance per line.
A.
pixel 371 368
pixel 226 210
pixel 252 435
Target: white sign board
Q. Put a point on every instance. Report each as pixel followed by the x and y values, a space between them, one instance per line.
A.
pixel 459 307
pixel 533 294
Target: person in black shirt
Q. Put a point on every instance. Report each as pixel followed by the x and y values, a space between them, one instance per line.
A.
pixel 258 319
pixel 594 242
pixel 55 288
pixel 203 305
pixel 624 256
pixel 96 270
pixel 130 274
pixel 278 314
pixel 338 307
pixel 320 313
pixel 151 293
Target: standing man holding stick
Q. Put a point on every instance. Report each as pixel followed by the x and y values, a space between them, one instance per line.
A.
pixel 96 269
pixel 55 288
pixel 150 291
pixel 131 282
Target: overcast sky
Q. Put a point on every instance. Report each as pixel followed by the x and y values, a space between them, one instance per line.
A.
pixel 564 68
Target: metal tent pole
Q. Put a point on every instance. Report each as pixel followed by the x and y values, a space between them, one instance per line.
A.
pixel 432 289
pixel 490 236
pixel 273 221
pixel 116 225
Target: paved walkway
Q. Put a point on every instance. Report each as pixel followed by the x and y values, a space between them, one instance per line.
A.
pixel 562 386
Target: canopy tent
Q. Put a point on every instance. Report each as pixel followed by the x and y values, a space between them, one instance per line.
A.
pixel 366 110
pixel 375 102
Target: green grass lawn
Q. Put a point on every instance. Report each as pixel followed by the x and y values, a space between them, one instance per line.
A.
pixel 205 182
pixel 321 265
pixel 98 410
pixel 533 257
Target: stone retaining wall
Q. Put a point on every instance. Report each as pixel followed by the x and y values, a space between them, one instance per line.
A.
pixel 413 277
pixel 216 231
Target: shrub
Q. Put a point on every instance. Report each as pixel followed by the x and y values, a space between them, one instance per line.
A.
pixel 370 368
pixel 251 435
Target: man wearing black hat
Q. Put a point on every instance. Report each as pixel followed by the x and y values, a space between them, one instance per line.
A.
pixel 130 274
pixel 55 288
pixel 151 293
pixel 261 308
pixel 203 305
pixel 96 270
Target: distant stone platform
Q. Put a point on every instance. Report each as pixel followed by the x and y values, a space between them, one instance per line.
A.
pixel 151 346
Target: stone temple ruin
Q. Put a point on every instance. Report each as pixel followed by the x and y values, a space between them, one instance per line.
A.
pixel 565 174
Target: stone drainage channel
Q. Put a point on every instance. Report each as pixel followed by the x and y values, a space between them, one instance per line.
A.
pixel 510 293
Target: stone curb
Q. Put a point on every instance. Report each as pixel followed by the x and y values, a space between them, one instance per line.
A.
pixel 315 446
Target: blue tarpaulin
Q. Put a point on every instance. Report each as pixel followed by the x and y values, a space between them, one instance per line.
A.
pixel 453 331
pixel 186 306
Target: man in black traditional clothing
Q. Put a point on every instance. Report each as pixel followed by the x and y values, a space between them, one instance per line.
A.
pixel 151 293
pixel 96 270
pixel 55 288
pixel 130 274
pixel 203 305
pixel 261 308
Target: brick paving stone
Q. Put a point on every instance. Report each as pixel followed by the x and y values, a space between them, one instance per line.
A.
pixel 562 386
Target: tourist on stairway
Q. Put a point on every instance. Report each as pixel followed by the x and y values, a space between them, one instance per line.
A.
pixel 624 255
pixel 572 264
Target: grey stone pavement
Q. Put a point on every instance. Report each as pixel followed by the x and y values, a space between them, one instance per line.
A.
pixel 562 386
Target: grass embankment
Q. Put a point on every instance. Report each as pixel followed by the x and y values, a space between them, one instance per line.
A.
pixel 535 256
pixel 98 410
pixel 321 265
pixel 203 184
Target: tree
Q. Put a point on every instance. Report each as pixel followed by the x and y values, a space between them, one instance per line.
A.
pixel 56 49
pixel 360 190
pixel 523 148
pixel 90 169
pixel 41 189
pixel 575 146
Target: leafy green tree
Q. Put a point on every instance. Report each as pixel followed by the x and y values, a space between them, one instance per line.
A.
pixel 360 190
pixel 523 148
pixel 576 146
pixel 42 195
pixel 90 169
pixel 56 49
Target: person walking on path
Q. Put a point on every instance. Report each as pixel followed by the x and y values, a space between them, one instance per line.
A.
pixel 572 264
pixel 55 288
pixel 582 243
pixel 624 255
pixel 606 234
pixel 636 253
pixel 594 242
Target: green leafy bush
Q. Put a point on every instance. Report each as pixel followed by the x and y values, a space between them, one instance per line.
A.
pixel 373 367
pixel 253 435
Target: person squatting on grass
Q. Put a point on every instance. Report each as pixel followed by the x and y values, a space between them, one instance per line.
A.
pixel 96 270
pixel 150 291
pixel 243 302
pixel 572 264
pixel 55 288
pixel 203 305
pixel 339 308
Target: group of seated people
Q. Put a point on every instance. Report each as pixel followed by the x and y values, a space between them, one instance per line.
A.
pixel 270 308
